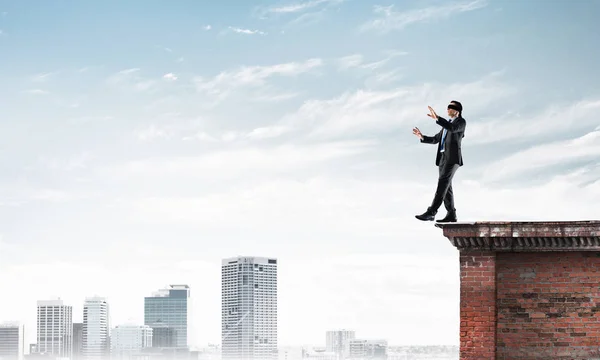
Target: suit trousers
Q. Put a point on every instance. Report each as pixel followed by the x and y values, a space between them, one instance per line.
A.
pixel 444 193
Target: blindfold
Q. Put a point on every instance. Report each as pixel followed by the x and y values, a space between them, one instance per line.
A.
pixel 454 107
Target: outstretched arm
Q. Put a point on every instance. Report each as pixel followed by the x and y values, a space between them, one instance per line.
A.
pixel 427 139
pixel 455 126
pixel 431 139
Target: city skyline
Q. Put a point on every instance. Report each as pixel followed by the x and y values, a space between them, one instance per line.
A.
pixel 249 287
pixel 142 142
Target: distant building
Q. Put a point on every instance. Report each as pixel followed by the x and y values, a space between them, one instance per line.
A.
pixel 54 328
pixel 249 308
pixel 366 349
pixel 12 341
pixel 337 341
pixel 96 329
pixel 169 308
pixel 211 352
pixel 163 336
pixel 128 341
pixel 316 353
pixel 77 341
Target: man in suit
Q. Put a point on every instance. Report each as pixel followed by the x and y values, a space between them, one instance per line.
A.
pixel 448 159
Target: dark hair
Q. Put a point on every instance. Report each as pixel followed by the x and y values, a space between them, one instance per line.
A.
pixel 457 103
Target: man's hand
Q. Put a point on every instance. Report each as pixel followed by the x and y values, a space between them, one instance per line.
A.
pixel 418 133
pixel 432 113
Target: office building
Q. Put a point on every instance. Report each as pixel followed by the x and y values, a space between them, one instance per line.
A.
pixel 366 349
pixel 12 341
pixel 77 341
pixel 249 308
pixel 96 329
pixel 337 340
pixel 54 328
pixel 169 308
pixel 128 341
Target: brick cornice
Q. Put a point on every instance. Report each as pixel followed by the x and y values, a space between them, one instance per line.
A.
pixel 524 235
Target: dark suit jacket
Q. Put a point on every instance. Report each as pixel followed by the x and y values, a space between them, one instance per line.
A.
pixel 452 142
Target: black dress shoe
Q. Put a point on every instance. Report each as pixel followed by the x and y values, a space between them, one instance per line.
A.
pixel 450 217
pixel 426 216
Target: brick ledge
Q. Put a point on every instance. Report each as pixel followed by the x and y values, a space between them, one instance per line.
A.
pixel 524 235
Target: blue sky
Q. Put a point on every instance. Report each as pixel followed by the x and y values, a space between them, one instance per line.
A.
pixel 143 141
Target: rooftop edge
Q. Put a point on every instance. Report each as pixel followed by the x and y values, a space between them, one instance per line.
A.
pixel 581 235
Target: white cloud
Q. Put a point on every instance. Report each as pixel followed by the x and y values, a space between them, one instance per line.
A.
pixel 247 31
pixel 357 61
pixel 268 132
pixel 207 27
pixel 231 163
pixel 170 77
pixel 152 132
pixel 301 6
pixel 275 96
pixel 42 77
pixel 169 126
pixel 260 133
pixel 227 82
pixel 350 61
pixel 71 163
pixel 130 79
pixel 518 164
pixel 553 120
pixel 90 119
pixel 36 92
pixel 202 136
pixel 354 113
pixel 390 20
pixel 305 12
pixel 51 195
pixel 384 78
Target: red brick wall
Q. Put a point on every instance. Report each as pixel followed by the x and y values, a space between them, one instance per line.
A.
pixel 548 305
pixel 477 305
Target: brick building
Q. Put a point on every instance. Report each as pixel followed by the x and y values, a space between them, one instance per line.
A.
pixel 528 290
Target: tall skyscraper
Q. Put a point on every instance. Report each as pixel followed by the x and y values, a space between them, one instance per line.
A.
pixel 337 341
pixel 96 329
pixel 77 341
pixel 129 340
pixel 169 308
pixel 249 308
pixel 12 341
pixel 54 328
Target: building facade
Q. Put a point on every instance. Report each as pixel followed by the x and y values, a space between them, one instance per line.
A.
pixel 96 329
pixel 360 349
pixel 77 341
pixel 169 308
pixel 337 342
pixel 12 341
pixel 54 328
pixel 128 341
pixel 249 308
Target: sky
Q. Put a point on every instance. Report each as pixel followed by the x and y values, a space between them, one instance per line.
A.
pixel 142 142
